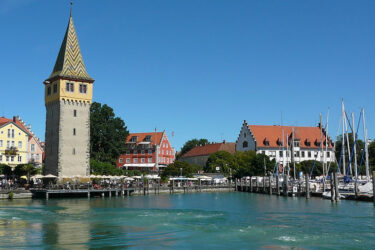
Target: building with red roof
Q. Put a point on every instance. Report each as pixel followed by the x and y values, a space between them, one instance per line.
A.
pixel 150 151
pixel 287 143
pixel 199 155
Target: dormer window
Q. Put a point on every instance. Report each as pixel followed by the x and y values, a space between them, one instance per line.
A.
pixel 266 142
pixel 296 143
pixel 279 142
pixel 307 143
pixel 148 138
pixel 134 139
pixel 317 143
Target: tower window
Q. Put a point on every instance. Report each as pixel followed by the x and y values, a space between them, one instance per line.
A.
pixel 245 144
pixel 74 151
pixel 69 87
pixel 83 88
pixel 75 113
pixel 55 88
pixel 49 90
pixel 74 131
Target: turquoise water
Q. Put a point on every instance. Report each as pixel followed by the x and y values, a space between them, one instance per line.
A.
pixel 210 220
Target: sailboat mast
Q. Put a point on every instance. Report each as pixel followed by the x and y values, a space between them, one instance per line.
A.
pixel 326 149
pixel 321 142
pixel 343 137
pixel 366 144
pixel 355 150
pixel 347 142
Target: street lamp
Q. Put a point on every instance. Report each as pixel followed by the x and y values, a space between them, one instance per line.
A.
pixel 181 172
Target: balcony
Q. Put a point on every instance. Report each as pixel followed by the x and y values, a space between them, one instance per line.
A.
pixel 11 151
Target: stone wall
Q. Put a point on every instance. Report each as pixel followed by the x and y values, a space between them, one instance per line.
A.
pixel 68 142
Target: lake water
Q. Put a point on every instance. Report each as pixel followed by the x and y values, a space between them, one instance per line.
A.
pixel 211 220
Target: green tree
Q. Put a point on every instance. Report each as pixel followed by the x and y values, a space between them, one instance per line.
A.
pixel 251 164
pixel 190 145
pixel 371 152
pixel 107 134
pixel 5 169
pixel 222 159
pixel 360 145
pixel 174 169
pixel 25 169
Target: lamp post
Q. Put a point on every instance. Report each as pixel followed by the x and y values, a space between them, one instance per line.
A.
pixel 180 172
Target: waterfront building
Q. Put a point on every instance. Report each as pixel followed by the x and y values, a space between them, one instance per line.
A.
pixel 287 143
pixel 68 97
pixel 200 154
pixel 147 151
pixel 18 144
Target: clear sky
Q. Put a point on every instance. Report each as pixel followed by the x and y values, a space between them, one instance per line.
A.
pixel 197 67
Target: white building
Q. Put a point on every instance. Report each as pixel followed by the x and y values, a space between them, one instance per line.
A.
pixel 287 143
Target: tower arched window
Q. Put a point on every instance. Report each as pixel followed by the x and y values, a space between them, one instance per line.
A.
pixel 245 144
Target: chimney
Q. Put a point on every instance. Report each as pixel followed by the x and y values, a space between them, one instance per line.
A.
pixel 14 118
pixel 224 141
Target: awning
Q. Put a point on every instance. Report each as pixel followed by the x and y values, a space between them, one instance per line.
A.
pixel 140 165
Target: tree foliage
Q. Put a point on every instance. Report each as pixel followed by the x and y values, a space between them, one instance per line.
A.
pixel 5 169
pixel 192 144
pixel 371 151
pixel 174 169
pixel 250 164
pixel 107 168
pixel 222 159
pixel 107 134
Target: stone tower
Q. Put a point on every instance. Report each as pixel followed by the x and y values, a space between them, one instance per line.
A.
pixel 68 97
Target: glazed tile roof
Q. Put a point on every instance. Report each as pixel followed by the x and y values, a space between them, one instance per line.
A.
pixel 211 148
pixel 69 61
pixel 309 137
pixel 142 136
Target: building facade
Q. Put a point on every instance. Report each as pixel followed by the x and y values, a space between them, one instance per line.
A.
pixel 199 155
pixel 147 151
pixel 68 97
pixel 13 142
pixel 287 143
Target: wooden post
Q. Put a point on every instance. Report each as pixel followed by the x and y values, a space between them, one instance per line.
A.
pixel 307 185
pixel 47 195
pixel 356 188
pixel 200 183
pixel 336 182
pixel 332 189
pixel 270 185
pixel 256 184
pixel 88 194
pixel 286 184
pixel 277 184
pixel 173 186
pixel 251 184
pixel 264 184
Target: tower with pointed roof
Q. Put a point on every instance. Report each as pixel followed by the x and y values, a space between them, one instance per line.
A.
pixel 68 97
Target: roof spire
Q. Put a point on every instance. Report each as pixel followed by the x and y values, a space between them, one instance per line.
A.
pixel 69 63
pixel 71 8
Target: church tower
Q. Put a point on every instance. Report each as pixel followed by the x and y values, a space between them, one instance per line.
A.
pixel 68 97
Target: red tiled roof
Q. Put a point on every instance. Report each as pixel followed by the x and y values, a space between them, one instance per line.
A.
pixel 274 133
pixel 4 120
pixel 211 148
pixel 142 136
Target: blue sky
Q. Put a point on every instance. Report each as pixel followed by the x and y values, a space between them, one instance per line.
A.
pixel 198 67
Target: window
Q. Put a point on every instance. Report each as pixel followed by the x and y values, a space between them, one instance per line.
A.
pixel 8 144
pixel 149 159
pixel 20 144
pixel 150 151
pixel 55 88
pixel 296 143
pixel 127 160
pixel 69 87
pixel 49 90
pixel 121 160
pixel 134 139
pixel 8 133
pixel 263 152
pixel 7 158
pixel 37 157
pixel 162 152
pixel 281 153
pixel 1 158
pixel 83 88
pixel 244 135
pixel 12 158
pixel 148 138
pixel 75 113
pixel 13 144
pixel 135 151
pixel 12 133
pixel 143 160
pixel 128 152
pixel 19 158
pixel 297 153
pixel 74 131
pixel 135 160
pixel 328 154
pixel 309 154
pixel 32 147
pixel 303 154
pixel 142 152
pixel 1 143
pixel 74 151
